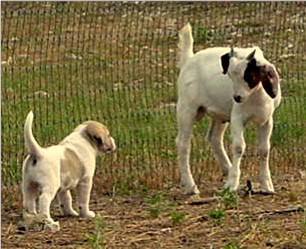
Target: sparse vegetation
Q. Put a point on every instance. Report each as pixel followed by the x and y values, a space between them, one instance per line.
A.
pixel 176 217
pixel 230 246
pixel 228 199
pixel 303 226
pixel 95 238
pixel 158 205
pixel 216 215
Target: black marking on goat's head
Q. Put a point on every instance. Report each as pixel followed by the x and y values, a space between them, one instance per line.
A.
pixel 225 62
pixel 252 74
pixel 225 59
pixel 266 74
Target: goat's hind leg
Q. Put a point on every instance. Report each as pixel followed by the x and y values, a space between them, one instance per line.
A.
pixel 264 134
pixel 215 138
pixel 185 119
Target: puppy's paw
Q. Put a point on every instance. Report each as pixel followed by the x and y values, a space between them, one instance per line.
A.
pixel 89 214
pixel 52 226
pixel 71 212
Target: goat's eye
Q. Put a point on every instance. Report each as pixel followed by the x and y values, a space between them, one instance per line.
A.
pixel 98 140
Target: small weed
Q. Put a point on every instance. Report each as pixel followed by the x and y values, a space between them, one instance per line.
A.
pixel 155 210
pixel 217 215
pixel 156 198
pixel 176 217
pixel 121 189
pixel 229 199
pixel 156 205
pixel 232 243
pixel 230 246
pixel 95 239
pixel 303 226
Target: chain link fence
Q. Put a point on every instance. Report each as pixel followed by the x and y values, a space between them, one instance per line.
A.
pixel 115 62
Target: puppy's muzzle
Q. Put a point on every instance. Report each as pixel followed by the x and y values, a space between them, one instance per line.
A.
pixel 112 146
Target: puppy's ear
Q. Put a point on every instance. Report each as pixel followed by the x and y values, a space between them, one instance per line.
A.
pixel 225 59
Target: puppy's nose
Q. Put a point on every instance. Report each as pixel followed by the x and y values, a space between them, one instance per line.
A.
pixel 112 146
pixel 237 98
pixel 109 149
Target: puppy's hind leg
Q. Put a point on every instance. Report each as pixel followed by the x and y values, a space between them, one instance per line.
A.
pixel 65 202
pixel 30 194
pixel 45 200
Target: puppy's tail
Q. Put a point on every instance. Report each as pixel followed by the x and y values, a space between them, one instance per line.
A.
pixel 185 44
pixel 30 142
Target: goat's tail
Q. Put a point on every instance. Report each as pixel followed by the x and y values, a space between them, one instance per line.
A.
pixel 30 142
pixel 185 44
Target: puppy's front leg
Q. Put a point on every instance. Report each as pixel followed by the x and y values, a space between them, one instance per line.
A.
pixel 84 189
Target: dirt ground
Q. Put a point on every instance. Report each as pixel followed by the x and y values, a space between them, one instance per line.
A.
pixel 168 219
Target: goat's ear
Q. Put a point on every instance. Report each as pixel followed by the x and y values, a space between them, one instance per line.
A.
pixel 251 55
pixel 225 62
pixel 270 82
pixel 225 59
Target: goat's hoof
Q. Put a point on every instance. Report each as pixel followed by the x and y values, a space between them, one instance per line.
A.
pixel 267 192
pixel 230 187
pixel 192 191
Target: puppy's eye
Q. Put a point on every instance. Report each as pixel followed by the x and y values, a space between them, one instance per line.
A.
pixel 98 140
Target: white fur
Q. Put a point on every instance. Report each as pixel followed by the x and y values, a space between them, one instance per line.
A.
pixel 46 175
pixel 203 88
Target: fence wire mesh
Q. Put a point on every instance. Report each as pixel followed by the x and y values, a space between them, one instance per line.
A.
pixel 115 62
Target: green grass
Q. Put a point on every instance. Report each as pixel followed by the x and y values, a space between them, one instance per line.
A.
pixel 126 78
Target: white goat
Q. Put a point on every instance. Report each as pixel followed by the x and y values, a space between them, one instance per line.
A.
pixel 230 85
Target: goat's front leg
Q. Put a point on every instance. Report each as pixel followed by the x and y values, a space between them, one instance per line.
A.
pixel 264 134
pixel 238 148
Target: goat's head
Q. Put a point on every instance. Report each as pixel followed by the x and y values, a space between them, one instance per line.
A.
pixel 248 73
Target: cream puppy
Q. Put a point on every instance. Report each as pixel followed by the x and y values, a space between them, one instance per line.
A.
pixel 55 170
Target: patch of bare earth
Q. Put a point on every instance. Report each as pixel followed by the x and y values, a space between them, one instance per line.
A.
pixel 171 220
